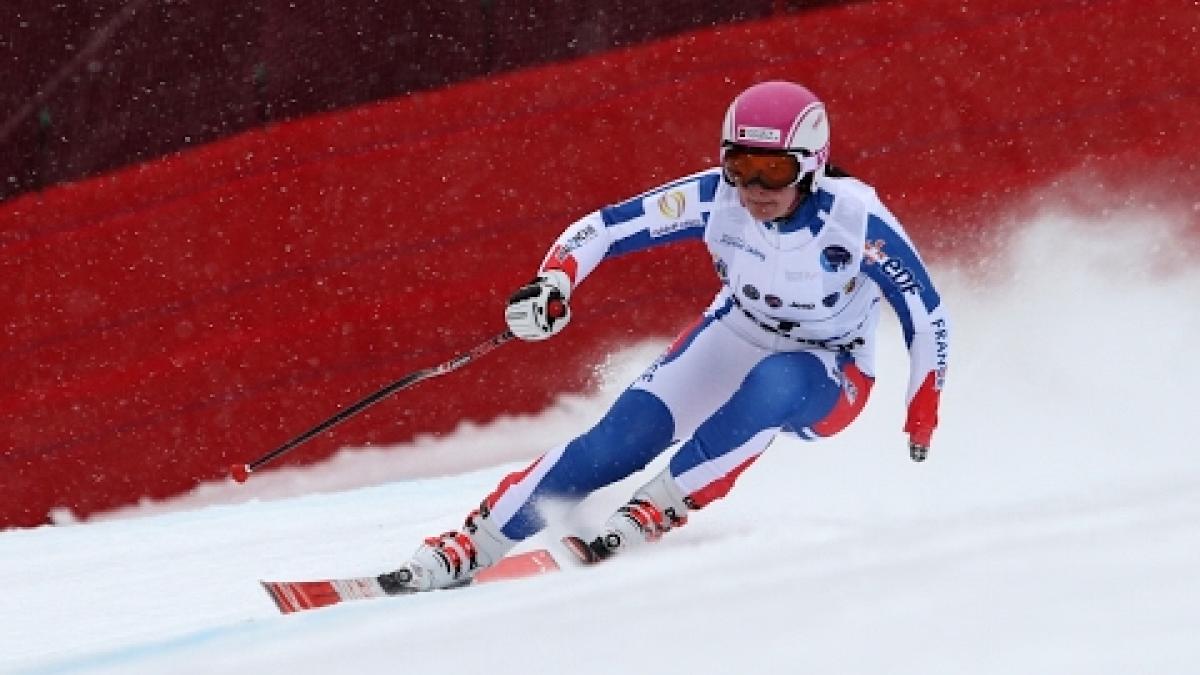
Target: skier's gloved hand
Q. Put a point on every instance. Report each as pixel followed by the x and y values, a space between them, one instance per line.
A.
pixel 539 309
pixel 918 444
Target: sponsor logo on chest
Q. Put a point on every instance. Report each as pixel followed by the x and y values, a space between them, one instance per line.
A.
pixel 741 245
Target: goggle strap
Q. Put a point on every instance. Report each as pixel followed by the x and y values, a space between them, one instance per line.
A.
pixel 808 163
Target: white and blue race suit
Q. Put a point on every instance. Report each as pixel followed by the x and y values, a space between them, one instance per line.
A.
pixel 786 345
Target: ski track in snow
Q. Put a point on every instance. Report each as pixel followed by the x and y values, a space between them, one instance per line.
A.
pixel 1054 529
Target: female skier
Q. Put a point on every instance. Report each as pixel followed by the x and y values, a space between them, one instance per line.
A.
pixel 805 254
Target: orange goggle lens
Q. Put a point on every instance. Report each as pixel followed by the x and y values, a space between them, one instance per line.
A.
pixel 774 172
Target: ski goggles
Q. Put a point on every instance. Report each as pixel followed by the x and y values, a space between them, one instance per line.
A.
pixel 773 170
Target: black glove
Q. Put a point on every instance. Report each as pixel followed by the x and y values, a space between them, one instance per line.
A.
pixel 917 451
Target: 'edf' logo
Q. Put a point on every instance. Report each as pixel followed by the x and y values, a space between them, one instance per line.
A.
pixel 900 275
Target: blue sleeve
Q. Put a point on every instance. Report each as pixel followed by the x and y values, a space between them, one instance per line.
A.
pixel 893 264
pixel 673 212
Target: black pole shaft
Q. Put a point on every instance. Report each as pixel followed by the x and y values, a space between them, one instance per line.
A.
pixel 403 383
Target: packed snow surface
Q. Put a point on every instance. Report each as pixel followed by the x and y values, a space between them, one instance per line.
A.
pixel 1055 527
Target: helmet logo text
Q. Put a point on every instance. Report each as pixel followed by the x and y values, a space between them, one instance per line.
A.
pixel 761 134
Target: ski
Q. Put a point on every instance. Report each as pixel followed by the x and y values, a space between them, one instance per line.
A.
pixel 295 596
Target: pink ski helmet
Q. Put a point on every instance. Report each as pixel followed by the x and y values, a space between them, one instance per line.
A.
pixel 779 116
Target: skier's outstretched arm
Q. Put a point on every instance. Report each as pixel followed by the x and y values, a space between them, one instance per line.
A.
pixel 670 213
pixel 893 262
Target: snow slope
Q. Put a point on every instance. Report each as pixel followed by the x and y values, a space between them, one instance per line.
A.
pixel 1055 528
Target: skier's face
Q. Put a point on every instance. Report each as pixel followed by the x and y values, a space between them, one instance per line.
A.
pixel 766 204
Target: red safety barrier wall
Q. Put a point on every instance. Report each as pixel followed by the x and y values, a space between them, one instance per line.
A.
pixel 162 322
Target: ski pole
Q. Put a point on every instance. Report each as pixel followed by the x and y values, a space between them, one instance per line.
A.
pixel 241 472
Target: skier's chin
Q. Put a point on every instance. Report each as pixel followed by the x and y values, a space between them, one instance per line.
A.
pixel 764 210
pixel 768 204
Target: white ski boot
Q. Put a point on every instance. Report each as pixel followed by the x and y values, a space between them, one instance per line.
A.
pixel 451 559
pixel 655 509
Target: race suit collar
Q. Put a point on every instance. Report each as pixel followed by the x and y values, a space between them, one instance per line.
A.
pixel 806 216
